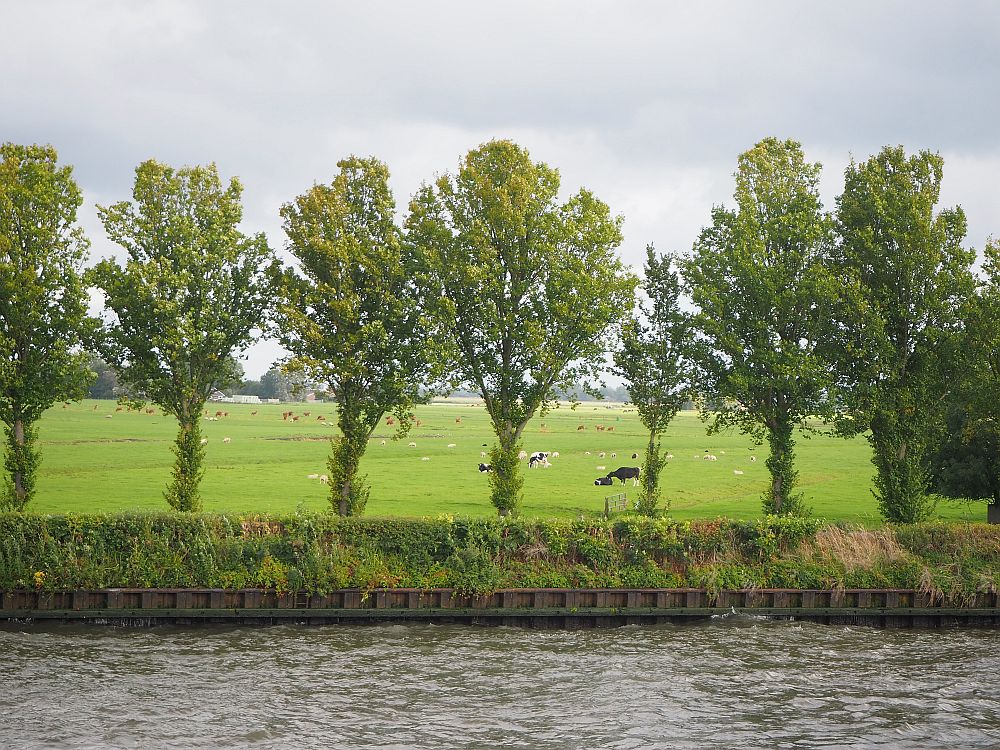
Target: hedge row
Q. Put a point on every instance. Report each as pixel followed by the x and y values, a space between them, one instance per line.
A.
pixel 319 553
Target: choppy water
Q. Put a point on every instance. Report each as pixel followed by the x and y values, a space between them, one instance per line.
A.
pixel 730 683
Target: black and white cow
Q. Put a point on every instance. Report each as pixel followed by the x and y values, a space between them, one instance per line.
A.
pixel 484 468
pixel 626 472
pixel 604 481
pixel 541 458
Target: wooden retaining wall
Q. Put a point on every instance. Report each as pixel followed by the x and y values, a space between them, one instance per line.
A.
pixel 560 608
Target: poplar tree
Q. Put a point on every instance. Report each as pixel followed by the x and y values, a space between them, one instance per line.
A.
pixel 193 290
pixel 915 276
pixel 524 289
pixel 43 305
pixel 351 315
pixel 655 362
pixel 759 277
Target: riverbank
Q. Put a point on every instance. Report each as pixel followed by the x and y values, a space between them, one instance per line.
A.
pixel 538 608
pixel 319 553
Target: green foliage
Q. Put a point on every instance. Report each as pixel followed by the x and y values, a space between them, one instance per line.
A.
pixel 189 453
pixel 322 552
pixel 966 464
pixel 654 360
pixel 901 350
pixel 523 289
pixel 351 315
pixel 765 295
pixel 192 291
pixel 43 305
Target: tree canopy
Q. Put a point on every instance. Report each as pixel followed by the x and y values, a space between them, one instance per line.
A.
pixel 193 290
pixel 43 304
pixel 916 279
pixel 523 289
pixel 764 293
pixel 351 314
pixel 655 361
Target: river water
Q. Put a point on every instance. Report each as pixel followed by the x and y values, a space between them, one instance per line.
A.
pixel 734 682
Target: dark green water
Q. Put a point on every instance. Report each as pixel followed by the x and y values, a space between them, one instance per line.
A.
pixel 730 683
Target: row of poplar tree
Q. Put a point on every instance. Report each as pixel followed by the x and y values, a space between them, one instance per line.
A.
pixel 867 319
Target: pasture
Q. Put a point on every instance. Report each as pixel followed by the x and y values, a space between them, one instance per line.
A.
pixel 93 463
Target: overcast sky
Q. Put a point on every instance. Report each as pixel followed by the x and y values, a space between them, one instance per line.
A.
pixel 646 104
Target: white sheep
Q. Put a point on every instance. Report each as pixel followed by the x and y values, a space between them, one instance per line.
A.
pixel 522 455
pixel 425 458
pixel 382 443
pixel 614 455
pixel 324 478
pixel 451 445
pixel 227 440
pixel 482 454
pixel 737 472
pixel 555 454
pixel 602 454
pixel 412 445
pixel 313 476
pixel 669 455
pixel 601 468
pixel 204 441
pixel 752 459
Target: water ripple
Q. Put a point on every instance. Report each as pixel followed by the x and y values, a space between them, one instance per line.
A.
pixel 733 682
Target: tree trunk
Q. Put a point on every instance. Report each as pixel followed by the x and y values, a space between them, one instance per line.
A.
pixel 182 494
pixel 20 494
pixel 902 481
pixel 781 463
pixel 649 498
pixel 21 462
pixel 506 480
pixel 349 492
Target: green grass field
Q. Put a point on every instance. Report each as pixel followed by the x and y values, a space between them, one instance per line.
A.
pixel 91 463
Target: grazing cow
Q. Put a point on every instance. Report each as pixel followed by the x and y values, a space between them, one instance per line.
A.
pixel 611 429
pixel 458 420
pixel 602 454
pixel 753 458
pixel 604 481
pixel 614 455
pixel 635 455
pixel 540 458
pixel 390 421
pixel 253 414
pixel 581 427
pixel 218 413
pixel 320 418
pixel 485 468
pixel 295 419
pixel 306 413
pixel 626 472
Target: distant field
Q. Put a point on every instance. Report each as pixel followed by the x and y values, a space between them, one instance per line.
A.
pixel 92 463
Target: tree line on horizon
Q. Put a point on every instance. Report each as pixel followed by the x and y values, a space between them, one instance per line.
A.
pixel 868 318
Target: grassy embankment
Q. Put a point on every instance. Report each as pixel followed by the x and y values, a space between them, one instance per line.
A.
pixel 321 552
pixel 95 464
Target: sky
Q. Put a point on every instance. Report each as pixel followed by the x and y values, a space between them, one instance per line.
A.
pixel 647 104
